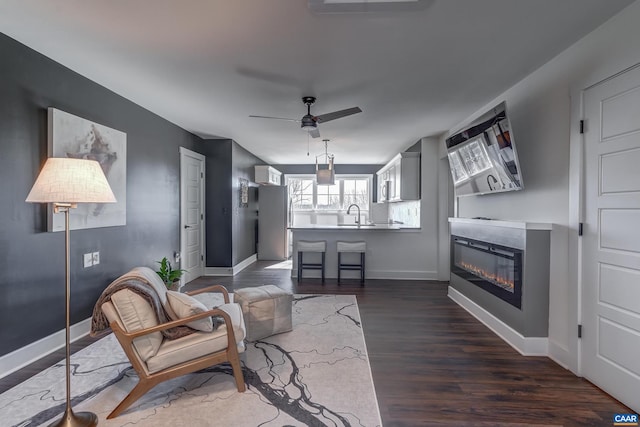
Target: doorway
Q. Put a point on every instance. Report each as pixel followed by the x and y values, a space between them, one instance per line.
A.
pixel 192 170
pixel 611 241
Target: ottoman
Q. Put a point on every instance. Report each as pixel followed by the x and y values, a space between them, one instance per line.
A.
pixel 266 310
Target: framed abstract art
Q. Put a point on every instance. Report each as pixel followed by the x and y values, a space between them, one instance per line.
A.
pixel 75 137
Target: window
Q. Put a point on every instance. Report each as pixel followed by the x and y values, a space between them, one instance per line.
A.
pixel 356 190
pixel 329 196
pixel 301 193
pixel 310 203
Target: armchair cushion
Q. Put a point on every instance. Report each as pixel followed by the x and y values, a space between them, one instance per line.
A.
pixel 234 310
pixel 184 305
pixel 136 313
pixel 173 352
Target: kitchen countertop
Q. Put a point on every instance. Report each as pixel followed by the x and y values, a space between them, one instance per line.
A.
pixel 354 227
pixel 504 223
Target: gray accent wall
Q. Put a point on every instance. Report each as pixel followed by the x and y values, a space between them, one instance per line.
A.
pixel 230 229
pixel 31 259
pixel 218 190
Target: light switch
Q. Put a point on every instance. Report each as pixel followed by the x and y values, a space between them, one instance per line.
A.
pixel 88 260
pixel 96 258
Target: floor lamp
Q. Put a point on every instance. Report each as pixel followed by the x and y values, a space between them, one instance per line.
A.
pixel 65 183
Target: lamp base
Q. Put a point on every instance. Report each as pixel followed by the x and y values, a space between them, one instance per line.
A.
pixel 81 419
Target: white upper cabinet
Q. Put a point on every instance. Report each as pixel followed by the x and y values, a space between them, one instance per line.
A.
pixel 267 175
pixel 399 179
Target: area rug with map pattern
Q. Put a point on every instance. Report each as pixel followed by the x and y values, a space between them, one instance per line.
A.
pixel 316 375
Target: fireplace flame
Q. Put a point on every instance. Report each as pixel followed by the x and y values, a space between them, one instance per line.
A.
pixel 504 282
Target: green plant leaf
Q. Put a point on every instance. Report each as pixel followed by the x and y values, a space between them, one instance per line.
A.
pixel 167 273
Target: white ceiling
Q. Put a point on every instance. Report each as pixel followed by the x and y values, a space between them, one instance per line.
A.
pixel 206 65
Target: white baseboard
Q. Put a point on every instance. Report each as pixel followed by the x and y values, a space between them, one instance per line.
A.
pixel 230 271
pixel 218 271
pixel 560 355
pixel 527 346
pixel 22 357
pixel 244 264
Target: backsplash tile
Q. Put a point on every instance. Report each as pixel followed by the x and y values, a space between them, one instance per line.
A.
pixel 405 213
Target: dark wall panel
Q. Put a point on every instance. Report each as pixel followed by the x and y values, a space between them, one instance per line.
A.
pixel 218 202
pixel 231 229
pixel 245 219
pixel 31 259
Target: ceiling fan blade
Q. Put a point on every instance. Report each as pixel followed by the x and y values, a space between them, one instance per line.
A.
pixel 337 114
pixel 277 118
pixel 315 133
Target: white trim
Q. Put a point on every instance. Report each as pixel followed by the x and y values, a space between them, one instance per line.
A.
pixel 218 271
pixel 188 152
pixel 527 346
pixel 230 271
pixel 244 264
pixel 574 242
pixel 28 354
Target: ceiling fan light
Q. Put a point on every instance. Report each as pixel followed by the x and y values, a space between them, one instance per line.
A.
pixel 307 123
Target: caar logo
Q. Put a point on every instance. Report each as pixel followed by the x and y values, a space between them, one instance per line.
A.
pixel 625 420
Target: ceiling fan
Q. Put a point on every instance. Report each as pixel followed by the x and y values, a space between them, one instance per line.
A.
pixel 310 122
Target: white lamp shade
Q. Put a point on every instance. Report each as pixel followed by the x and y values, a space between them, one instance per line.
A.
pixel 64 180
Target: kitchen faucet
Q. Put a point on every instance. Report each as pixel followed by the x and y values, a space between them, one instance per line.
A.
pixel 349 211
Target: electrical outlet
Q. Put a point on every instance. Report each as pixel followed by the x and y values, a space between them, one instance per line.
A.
pixel 96 258
pixel 88 260
pixel 176 256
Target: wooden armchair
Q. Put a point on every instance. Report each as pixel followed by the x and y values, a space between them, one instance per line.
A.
pixel 157 359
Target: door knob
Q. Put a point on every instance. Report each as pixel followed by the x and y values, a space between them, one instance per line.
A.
pixel 187 226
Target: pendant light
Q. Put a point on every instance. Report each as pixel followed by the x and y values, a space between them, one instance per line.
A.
pixel 325 174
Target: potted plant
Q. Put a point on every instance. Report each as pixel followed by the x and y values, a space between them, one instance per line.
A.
pixel 169 276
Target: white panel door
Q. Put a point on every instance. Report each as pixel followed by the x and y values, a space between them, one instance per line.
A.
pixel 191 214
pixel 611 241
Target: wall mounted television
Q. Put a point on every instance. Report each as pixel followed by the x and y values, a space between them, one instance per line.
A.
pixel 483 158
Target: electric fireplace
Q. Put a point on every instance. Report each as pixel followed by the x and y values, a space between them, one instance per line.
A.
pixel 500 273
pixel 495 268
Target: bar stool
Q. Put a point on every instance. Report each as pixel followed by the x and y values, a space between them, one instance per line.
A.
pixel 311 246
pixel 356 247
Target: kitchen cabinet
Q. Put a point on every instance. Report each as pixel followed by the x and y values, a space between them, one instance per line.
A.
pixel 399 179
pixel 267 175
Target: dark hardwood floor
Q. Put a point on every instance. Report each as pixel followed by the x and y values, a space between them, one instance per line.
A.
pixel 433 364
